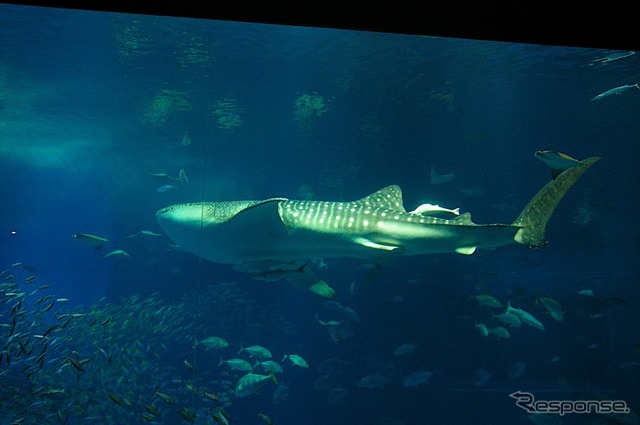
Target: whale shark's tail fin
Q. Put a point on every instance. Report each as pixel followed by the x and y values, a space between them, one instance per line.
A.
pixel 533 218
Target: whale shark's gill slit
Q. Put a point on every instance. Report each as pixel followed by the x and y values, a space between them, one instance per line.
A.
pixel 203 186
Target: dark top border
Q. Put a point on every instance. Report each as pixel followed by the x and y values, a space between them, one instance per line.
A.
pixel 608 25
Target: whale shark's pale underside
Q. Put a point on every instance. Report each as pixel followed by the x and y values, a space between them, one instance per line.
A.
pixel 275 238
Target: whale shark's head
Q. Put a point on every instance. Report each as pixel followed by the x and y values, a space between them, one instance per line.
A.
pixel 217 231
pixel 182 214
pixel 183 223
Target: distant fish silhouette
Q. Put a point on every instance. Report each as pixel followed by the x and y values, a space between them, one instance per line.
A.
pixel 440 178
pixel 165 188
pixel 117 253
pixel 557 161
pixel 144 233
pixel 182 176
pixel 26 267
pixel 93 241
pixel 614 56
pixel 616 91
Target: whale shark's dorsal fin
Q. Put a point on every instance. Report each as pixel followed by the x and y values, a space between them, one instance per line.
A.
pixel 389 197
pixel 464 219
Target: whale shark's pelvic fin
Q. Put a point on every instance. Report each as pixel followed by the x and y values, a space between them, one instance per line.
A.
pixel 533 218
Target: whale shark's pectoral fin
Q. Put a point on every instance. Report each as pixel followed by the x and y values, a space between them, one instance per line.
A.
pixel 254 218
pixel 384 254
pixel 296 272
pixel 374 245
pixel 466 250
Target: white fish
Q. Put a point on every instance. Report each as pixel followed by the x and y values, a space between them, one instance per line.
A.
pixel 487 300
pixel 481 377
pixel 373 382
pixel 332 367
pixel 525 317
pixel 257 351
pixel 440 178
pixel 214 342
pixel 417 379
pixel 500 332
pixel 516 370
pixel 397 299
pixel 186 140
pixel 281 393
pixel 612 57
pixel 182 176
pixel 337 395
pixel 144 233
pixel 338 330
pixel 484 331
pixel 349 313
pixel 296 360
pixel 427 208
pixel 553 308
pixel 586 293
pixel 617 91
pixel 404 349
pixel 557 161
pixel 117 253
pixel 267 366
pixel 93 241
pixel 165 188
pixel 509 318
pixel 237 364
pixel 251 383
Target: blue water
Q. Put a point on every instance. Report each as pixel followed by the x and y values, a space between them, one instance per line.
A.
pixel 92 104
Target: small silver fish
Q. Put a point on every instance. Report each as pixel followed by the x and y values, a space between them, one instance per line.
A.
pixel 117 253
pixel 436 178
pixel 525 317
pixel 617 90
pixel 93 241
pixel 612 57
pixel 296 359
pixel 252 382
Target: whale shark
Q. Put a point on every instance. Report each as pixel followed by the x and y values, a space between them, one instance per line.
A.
pixel 276 238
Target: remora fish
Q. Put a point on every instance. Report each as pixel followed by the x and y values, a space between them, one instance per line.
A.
pixel 376 227
pixel 425 209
